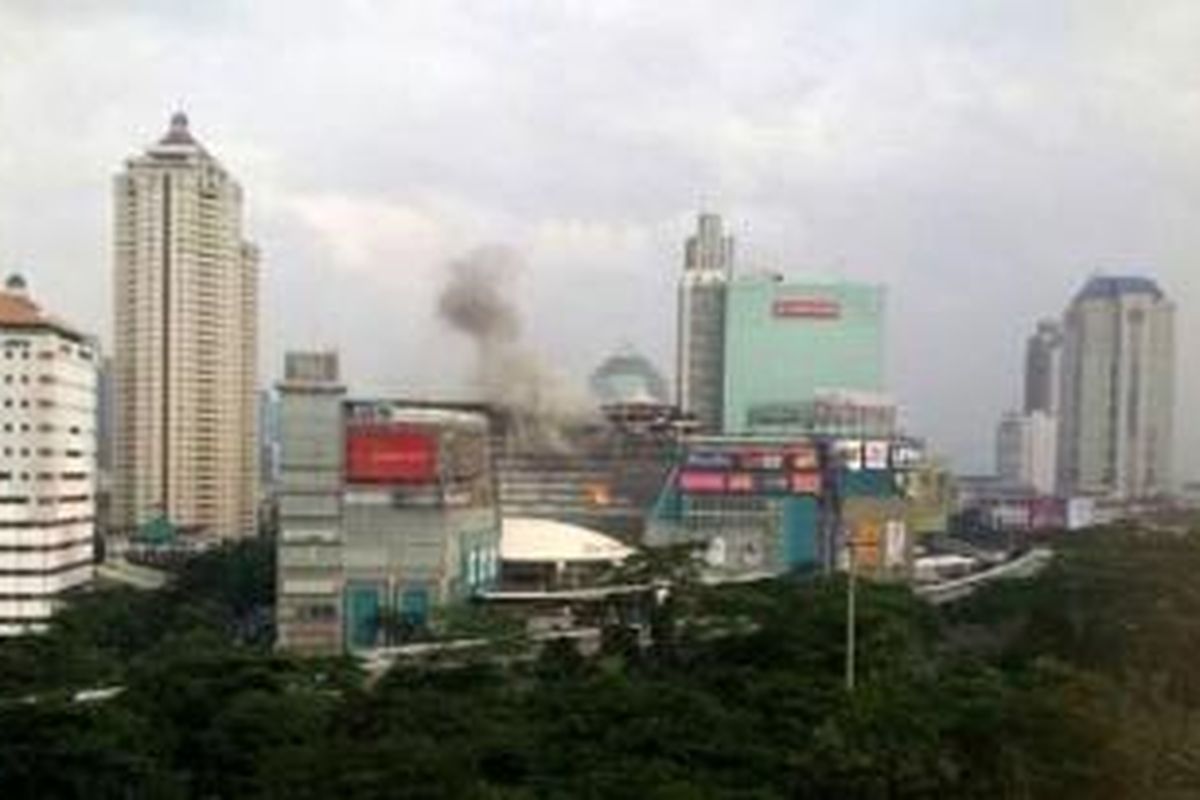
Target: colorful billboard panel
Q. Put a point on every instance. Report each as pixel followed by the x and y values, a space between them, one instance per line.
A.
pixel 702 482
pixel 849 453
pixel 803 458
pixel 760 460
pixel 773 484
pixel 390 454
pixel 875 455
pixel 708 459
pixel 867 541
pixel 906 455
pixel 806 483
pixel 741 482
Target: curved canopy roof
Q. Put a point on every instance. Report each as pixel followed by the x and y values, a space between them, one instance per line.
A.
pixel 529 539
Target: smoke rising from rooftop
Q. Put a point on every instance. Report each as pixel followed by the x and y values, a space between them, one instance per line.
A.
pixel 476 301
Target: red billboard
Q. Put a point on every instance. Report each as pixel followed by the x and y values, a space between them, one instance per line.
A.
pixel 806 308
pixel 806 483
pixel 390 454
pixel 702 481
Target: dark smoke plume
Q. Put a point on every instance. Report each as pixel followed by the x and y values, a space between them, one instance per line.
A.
pixel 475 301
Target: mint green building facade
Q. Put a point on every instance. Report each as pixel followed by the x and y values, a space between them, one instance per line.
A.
pixel 787 341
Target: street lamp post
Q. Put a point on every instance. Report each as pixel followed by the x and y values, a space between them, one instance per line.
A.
pixel 851 610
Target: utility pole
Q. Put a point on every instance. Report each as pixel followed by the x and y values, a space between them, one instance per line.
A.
pixel 851 610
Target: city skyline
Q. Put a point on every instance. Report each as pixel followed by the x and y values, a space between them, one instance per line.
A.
pixel 1031 157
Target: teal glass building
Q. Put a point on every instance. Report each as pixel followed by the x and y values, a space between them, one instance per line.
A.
pixel 787 341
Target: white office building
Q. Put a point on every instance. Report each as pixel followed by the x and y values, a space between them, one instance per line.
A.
pixel 47 461
pixel 1026 447
pixel 1118 390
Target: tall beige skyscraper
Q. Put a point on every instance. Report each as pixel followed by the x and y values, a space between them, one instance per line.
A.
pixel 186 349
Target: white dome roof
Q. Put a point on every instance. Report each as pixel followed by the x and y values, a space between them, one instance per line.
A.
pixel 530 539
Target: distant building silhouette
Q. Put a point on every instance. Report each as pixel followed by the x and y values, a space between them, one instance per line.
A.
pixel 700 367
pixel 1118 389
pixel 1043 365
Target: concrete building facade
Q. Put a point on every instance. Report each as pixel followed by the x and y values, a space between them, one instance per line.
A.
pixel 1118 390
pixel 186 346
pixel 789 342
pixel 707 269
pixel 47 461
pixel 1043 368
pixel 769 505
pixel 386 512
pixel 1026 445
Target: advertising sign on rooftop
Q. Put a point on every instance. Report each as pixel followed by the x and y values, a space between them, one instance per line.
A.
pixel 709 459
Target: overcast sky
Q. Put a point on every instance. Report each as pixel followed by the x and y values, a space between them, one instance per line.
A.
pixel 981 159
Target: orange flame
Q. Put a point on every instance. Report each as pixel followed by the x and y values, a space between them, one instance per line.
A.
pixel 598 494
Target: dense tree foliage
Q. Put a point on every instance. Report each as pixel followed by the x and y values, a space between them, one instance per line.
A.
pixel 1076 684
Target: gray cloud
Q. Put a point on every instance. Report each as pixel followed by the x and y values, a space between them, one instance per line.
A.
pixel 980 158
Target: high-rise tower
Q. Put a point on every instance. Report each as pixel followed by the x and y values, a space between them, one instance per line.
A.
pixel 700 372
pixel 186 349
pixel 1118 389
pixel 1043 365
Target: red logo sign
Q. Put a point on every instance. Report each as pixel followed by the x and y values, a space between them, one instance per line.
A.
pixel 384 454
pixel 807 308
pixel 702 481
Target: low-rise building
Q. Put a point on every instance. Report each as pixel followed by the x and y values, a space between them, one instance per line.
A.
pixel 769 505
